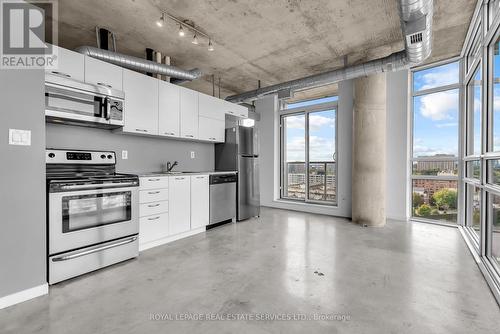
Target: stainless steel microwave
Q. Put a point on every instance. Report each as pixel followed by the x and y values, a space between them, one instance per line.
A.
pixel 70 101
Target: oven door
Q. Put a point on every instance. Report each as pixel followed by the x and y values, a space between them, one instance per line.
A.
pixel 87 217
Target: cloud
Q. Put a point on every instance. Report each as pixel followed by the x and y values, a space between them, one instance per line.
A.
pixel 420 150
pixel 318 122
pixel 446 125
pixel 440 106
pixel 320 149
pixel 295 122
pixel 439 76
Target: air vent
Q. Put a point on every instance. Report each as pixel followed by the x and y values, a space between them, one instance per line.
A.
pixel 415 38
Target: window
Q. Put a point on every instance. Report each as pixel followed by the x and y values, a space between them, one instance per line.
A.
pixel 308 151
pixel 495 136
pixel 474 114
pixel 436 104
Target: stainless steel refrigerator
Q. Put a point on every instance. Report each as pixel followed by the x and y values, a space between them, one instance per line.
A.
pixel 240 152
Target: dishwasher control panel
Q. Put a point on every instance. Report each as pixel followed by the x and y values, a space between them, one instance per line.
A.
pixel 222 178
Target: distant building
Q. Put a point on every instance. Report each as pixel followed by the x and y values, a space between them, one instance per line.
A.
pixel 448 167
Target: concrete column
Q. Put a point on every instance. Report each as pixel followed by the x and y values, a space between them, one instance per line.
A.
pixel 369 147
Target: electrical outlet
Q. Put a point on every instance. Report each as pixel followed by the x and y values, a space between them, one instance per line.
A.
pixel 192 155
pixel 124 155
pixel 19 137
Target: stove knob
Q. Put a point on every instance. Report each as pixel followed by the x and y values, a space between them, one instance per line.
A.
pixel 103 156
pixel 110 156
pixel 51 155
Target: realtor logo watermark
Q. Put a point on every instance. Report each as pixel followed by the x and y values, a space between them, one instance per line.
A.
pixel 24 29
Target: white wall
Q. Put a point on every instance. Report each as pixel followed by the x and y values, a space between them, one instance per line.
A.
pixel 269 155
pixel 397 146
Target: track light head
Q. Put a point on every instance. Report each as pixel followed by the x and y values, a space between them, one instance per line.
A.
pixel 181 31
pixel 210 45
pixel 161 21
pixel 195 40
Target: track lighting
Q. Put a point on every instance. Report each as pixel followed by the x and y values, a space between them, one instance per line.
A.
pixel 195 39
pixel 161 21
pixel 186 27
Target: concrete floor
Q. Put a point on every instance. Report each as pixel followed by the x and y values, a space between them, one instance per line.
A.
pixel 404 278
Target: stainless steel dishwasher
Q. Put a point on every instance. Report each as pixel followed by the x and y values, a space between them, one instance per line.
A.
pixel 222 198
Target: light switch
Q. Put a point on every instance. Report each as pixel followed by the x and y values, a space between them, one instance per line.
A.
pixel 19 137
pixel 124 155
pixel 192 155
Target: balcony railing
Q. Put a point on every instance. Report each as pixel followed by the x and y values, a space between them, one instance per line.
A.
pixel 322 181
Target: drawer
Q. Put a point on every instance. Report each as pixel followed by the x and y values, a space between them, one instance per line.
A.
pixel 153 182
pixel 153 195
pixel 153 228
pixel 148 209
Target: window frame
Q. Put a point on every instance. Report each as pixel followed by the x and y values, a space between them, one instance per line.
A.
pixel 411 106
pixel 306 111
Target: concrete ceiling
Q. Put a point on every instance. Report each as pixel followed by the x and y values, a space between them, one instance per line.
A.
pixel 271 41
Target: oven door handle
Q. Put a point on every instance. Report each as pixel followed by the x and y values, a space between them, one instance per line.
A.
pixel 95 250
pixel 98 185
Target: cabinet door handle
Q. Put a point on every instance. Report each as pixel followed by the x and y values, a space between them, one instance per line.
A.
pixel 153 180
pixel 190 136
pixel 201 177
pixel 153 205
pixel 231 112
pixel 105 85
pixel 170 133
pixel 212 138
pixel 141 130
pixel 153 192
pixel 61 74
pixel 154 218
pixel 180 178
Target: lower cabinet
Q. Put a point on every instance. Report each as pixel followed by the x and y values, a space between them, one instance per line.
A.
pixel 153 228
pixel 172 207
pixel 200 208
pixel 179 193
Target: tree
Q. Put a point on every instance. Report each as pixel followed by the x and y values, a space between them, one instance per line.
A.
pixel 445 199
pixel 417 200
pixel 424 210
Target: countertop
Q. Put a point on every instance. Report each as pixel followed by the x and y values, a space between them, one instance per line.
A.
pixel 179 173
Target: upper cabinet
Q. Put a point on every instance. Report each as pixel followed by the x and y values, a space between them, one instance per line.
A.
pixel 211 107
pixel 101 73
pixel 141 103
pixel 152 106
pixel 169 96
pixel 189 113
pixel 70 64
pixel 234 109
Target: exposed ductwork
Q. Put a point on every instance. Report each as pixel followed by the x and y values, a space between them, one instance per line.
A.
pixel 416 22
pixel 139 64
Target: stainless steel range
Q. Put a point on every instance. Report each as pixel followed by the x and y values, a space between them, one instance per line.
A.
pixel 92 213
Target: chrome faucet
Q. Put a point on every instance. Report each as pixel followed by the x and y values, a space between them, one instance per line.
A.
pixel 171 166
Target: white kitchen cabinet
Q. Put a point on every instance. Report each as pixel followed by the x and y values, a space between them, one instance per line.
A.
pixel 211 129
pixel 152 228
pixel 98 72
pixel 211 107
pixel 168 109
pixel 200 215
pixel 141 103
pixel 234 109
pixel 70 64
pixel 179 194
pixel 189 113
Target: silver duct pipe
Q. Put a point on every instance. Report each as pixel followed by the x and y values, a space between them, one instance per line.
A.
pixel 139 64
pixel 416 20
